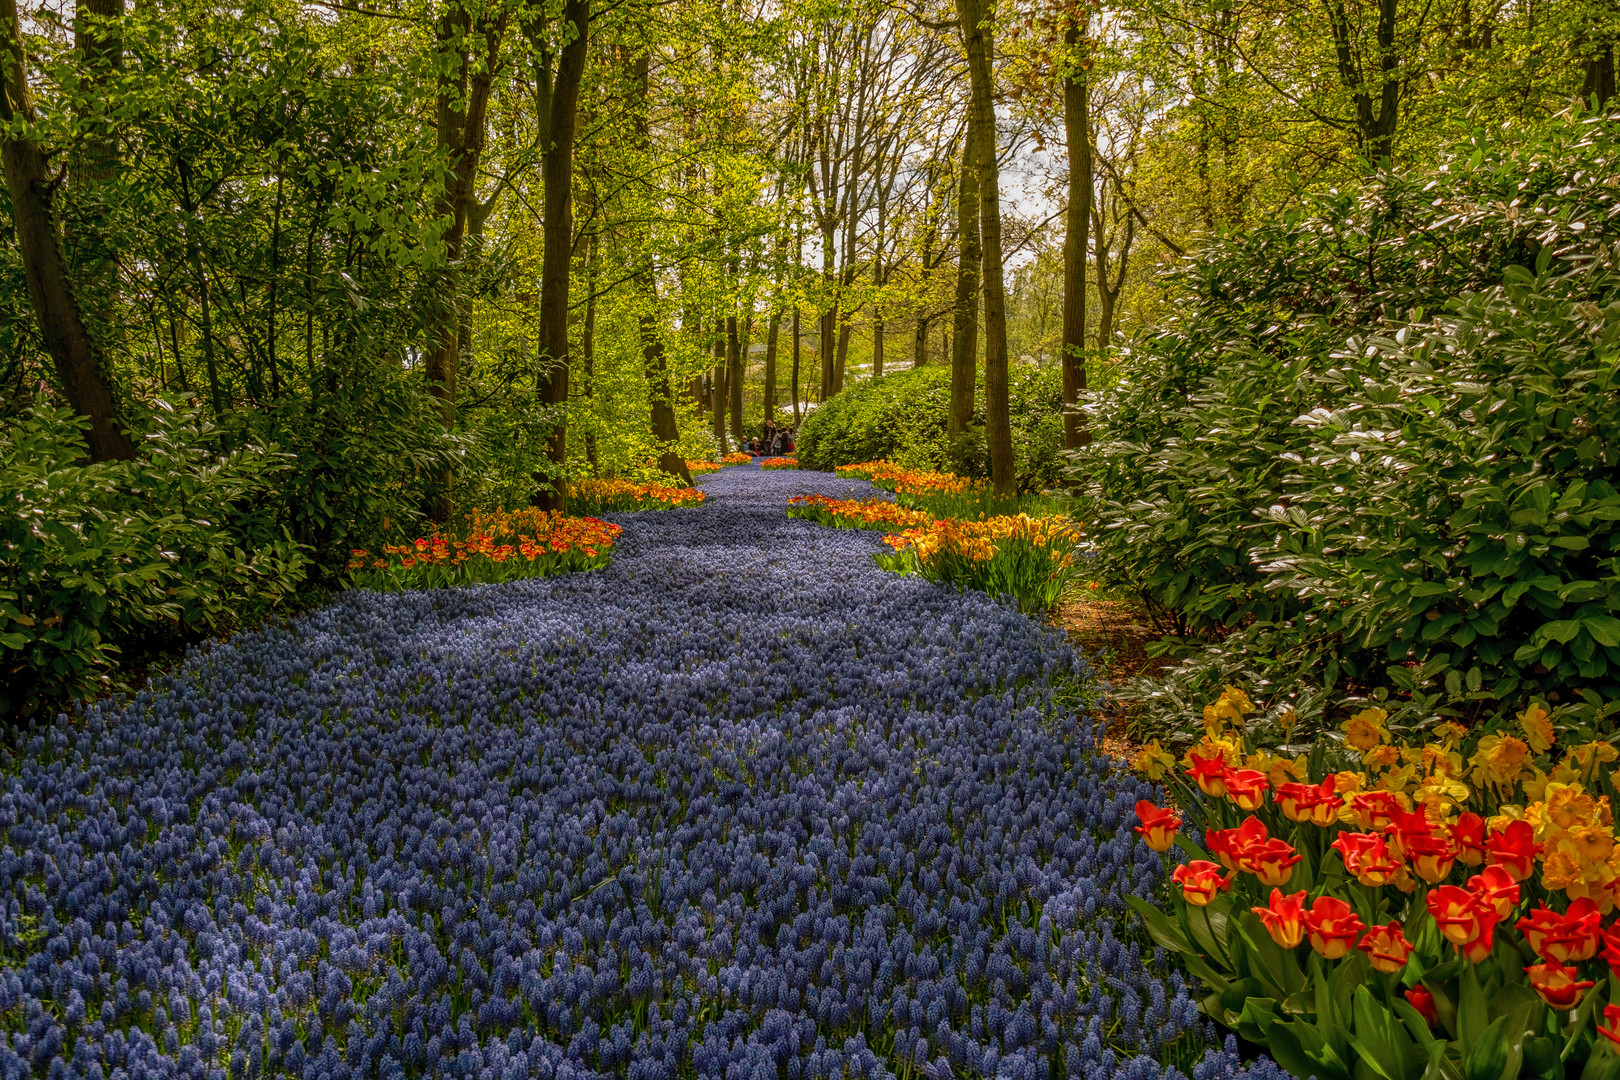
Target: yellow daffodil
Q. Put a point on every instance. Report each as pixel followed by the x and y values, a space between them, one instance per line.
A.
pixel 1537 726
pixel 1153 761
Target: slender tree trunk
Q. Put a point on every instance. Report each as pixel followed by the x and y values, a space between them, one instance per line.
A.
pixel 1076 238
pixel 997 417
pixel 770 363
pixel 717 396
pixel 795 365
pixel 557 172
pixel 919 346
pixel 80 366
pixel 964 332
pixel 587 352
pixel 734 378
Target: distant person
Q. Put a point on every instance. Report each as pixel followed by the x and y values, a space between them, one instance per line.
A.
pixel 770 434
pixel 787 447
pixel 753 447
pixel 776 443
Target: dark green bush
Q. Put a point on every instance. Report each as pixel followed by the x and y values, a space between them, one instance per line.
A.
pixel 1388 427
pixel 902 418
pixel 93 555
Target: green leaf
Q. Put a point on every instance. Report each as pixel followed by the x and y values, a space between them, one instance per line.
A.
pixel 1560 630
pixel 1605 629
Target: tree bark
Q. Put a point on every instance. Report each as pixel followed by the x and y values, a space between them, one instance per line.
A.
pixel 965 317
pixel 1077 222
pixel 919 345
pixel 976 30
pixel 557 172
pixel 80 365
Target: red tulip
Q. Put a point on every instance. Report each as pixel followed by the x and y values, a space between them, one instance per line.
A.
pixel 1272 861
pixel 1247 788
pixel 1200 880
pixel 1466 919
pixel 1374 809
pixel 1566 938
pixel 1423 1001
pixel 1610 1028
pixel 1332 927
pixel 1386 947
pixel 1514 849
pixel 1324 810
pixel 1367 857
pixel 1285 918
pixel 1469 836
pixel 1611 946
pixel 1294 799
pixel 1209 774
pixel 1432 857
pixel 1405 826
pixel 1497 886
pixel 1158 828
pixel 1227 844
pixel 1557 986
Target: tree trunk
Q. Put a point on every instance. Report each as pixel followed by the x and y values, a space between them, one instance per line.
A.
pixel 717 387
pixel 557 172
pixel 795 365
pixel 997 418
pixel 1077 222
pixel 80 365
pixel 734 378
pixel 919 346
pixel 1597 78
pixel 587 352
pixel 1378 107
pixel 965 319
pixel 461 108
pixel 771 335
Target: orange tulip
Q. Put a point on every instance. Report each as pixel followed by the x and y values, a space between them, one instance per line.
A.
pixel 1247 788
pixel 1557 985
pixel 1386 947
pixel 1332 927
pixel 1272 861
pixel 1158 828
pixel 1285 918
pixel 1200 880
pixel 1514 849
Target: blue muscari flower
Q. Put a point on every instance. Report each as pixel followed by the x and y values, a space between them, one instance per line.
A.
pixel 521 814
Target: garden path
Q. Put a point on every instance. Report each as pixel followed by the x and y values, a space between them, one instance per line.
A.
pixel 740 805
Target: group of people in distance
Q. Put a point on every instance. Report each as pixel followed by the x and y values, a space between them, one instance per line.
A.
pixel 776 441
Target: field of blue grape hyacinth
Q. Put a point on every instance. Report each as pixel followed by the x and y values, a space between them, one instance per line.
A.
pixel 741 805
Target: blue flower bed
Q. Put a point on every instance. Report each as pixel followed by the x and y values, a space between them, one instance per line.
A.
pixel 741 806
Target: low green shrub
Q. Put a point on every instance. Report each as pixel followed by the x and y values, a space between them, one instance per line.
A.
pixel 94 555
pixel 901 418
pixel 1383 432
